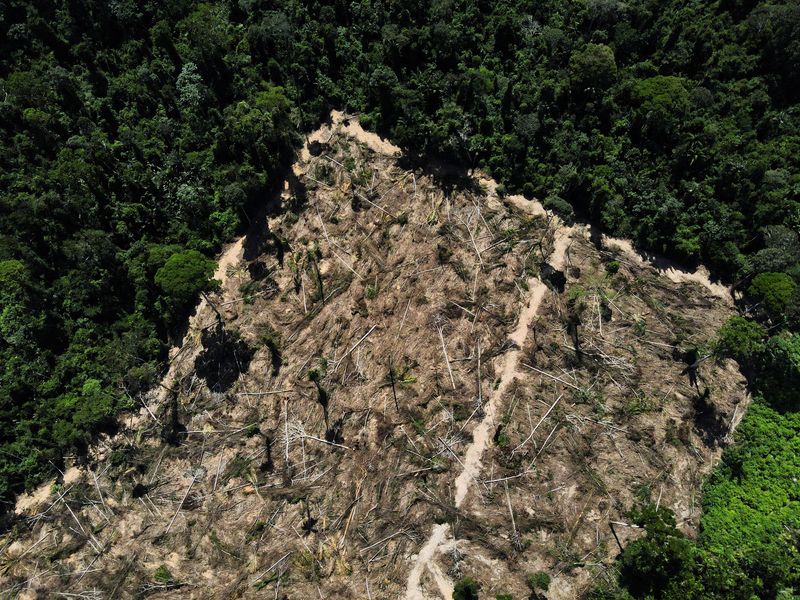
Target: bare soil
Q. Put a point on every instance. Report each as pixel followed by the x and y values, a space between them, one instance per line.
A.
pixel 408 405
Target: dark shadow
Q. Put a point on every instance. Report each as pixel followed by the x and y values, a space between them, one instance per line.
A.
pixel 298 193
pixel 8 518
pixel 267 466
pixel 275 356
pixel 596 236
pixel 662 263
pixel 554 278
pixel 173 432
pixel 308 525
pixel 708 422
pixel 605 310
pixel 258 239
pixel 573 323
pixel 224 357
pixel 692 360
pixel 449 177
pixel 176 330
pixel 316 148
pixel 258 270
pixel 334 433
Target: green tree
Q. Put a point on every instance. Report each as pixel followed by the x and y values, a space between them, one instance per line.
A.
pixel 660 564
pixel 593 67
pixel 779 376
pixel 663 101
pixel 782 251
pixel 741 339
pixel 19 321
pixel 466 589
pixel 774 290
pixel 184 275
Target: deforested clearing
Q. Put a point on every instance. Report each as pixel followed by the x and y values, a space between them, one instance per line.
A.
pixel 404 379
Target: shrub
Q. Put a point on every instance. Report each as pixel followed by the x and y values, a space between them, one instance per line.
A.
pixel 466 589
pixel 184 275
pixel 539 581
pixel 661 562
pixel 559 206
pixel 774 290
pixel 741 339
pixel 163 576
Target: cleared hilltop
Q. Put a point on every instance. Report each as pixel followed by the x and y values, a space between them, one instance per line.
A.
pixel 404 379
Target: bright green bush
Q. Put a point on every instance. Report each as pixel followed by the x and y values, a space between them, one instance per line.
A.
pixel 163 576
pixel 779 373
pixel 612 267
pixel 741 339
pixel 774 290
pixel 538 581
pixel 184 275
pixel 751 505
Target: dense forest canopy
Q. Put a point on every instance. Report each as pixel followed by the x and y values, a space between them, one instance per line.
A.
pixel 139 136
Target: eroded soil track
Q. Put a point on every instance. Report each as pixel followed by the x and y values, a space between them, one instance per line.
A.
pixel 482 434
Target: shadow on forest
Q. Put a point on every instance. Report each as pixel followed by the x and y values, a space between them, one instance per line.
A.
pixel 258 239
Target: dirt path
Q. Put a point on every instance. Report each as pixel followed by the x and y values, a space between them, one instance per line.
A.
pixel 426 574
pixel 670 269
pixel 472 462
pixel 424 560
pixel 350 126
pixel 482 434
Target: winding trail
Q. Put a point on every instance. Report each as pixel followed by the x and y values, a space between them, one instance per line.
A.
pixel 670 269
pixel 438 541
pixel 482 433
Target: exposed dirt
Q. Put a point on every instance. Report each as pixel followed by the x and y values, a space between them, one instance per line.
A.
pixel 584 439
pixel 669 269
pixel 482 434
pixel 415 378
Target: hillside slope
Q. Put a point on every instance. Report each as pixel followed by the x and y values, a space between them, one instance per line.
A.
pixel 404 378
